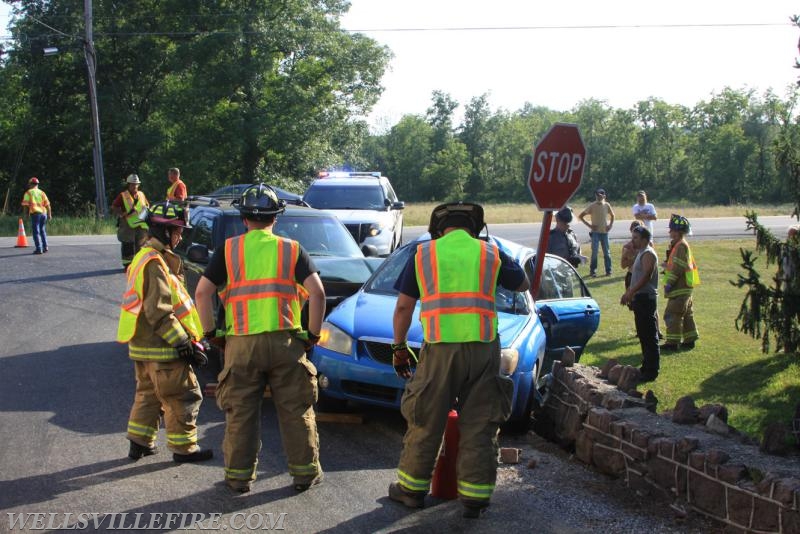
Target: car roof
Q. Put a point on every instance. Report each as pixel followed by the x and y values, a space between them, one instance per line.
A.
pixel 226 206
pixel 355 181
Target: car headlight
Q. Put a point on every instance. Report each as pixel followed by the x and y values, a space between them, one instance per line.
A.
pixel 334 338
pixel 374 229
pixel 509 358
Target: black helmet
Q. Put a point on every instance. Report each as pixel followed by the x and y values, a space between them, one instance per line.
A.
pixel 168 213
pixel 259 200
pixel 564 214
pixel 458 214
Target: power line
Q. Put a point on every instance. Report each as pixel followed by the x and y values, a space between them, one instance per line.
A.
pixel 434 29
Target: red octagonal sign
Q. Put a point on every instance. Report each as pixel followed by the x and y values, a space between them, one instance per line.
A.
pixel 557 169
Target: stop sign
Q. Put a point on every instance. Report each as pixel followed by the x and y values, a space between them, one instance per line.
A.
pixel 557 169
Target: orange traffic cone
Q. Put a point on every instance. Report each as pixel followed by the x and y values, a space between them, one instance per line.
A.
pixel 22 241
pixel 444 484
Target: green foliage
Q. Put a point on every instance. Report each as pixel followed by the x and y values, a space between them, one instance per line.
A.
pixel 770 311
pixel 227 91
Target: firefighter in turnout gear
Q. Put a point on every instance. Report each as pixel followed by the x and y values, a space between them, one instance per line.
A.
pixel 160 324
pixel 130 206
pixel 680 278
pixel 455 276
pixel 264 281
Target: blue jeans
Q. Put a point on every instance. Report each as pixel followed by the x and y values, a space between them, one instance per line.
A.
pixel 601 239
pixel 39 223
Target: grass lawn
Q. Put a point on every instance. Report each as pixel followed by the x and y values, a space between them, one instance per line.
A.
pixel 726 367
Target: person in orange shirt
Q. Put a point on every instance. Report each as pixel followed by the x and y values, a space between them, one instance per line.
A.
pixel 177 189
pixel 38 206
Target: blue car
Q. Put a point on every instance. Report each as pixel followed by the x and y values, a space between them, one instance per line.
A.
pixel 354 356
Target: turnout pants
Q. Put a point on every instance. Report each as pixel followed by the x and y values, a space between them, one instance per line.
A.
pixel 252 362
pixel 131 240
pixel 679 318
pixel 470 373
pixel 172 386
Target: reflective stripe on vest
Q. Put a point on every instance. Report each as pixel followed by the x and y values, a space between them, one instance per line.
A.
pixel 182 307
pixel 459 307
pixel 138 204
pixel 36 200
pixel 692 274
pixel 261 294
pixel 171 190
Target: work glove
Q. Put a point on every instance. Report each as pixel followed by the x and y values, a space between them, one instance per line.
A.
pixel 215 340
pixel 192 352
pixel 309 341
pixel 401 360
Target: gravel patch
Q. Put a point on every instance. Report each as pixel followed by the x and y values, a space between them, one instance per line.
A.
pixel 582 500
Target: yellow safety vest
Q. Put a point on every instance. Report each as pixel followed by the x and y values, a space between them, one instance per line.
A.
pixel 692 274
pixel 182 304
pixel 171 190
pixel 35 200
pixel 261 294
pixel 457 306
pixel 138 204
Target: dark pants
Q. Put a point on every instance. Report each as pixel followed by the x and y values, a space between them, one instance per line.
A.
pixel 39 224
pixel 645 316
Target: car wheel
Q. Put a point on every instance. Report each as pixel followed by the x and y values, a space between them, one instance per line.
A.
pixel 523 424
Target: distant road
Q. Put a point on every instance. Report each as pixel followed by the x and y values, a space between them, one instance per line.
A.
pixel 712 228
pixel 526 233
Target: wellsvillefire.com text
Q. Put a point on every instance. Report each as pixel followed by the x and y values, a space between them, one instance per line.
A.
pixel 145 521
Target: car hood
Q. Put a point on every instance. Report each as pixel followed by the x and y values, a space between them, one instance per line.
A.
pixel 358 216
pixel 368 315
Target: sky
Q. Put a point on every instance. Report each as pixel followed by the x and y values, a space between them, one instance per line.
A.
pixel 558 67
pixel 556 54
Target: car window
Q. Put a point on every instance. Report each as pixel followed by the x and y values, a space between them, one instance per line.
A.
pixel 559 280
pixel 390 194
pixel 200 232
pixel 361 197
pixel 320 236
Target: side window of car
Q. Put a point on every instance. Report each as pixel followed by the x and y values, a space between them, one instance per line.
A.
pixel 390 194
pixel 201 233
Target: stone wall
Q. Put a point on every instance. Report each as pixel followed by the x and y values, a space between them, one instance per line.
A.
pixel 685 466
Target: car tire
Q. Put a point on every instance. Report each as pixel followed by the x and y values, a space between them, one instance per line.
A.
pixel 524 423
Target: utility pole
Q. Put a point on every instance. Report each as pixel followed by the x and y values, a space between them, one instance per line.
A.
pixel 91 65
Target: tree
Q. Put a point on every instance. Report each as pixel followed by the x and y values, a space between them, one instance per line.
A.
pixel 772 311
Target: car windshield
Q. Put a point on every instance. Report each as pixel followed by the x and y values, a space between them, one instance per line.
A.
pixel 367 197
pixel 387 274
pixel 319 236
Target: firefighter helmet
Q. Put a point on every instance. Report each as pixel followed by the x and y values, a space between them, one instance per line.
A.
pixel 34 180
pixel 133 179
pixel 456 214
pixel 679 223
pixel 260 200
pixel 168 213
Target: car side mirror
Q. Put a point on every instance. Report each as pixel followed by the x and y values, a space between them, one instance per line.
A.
pixel 399 205
pixel 369 251
pixel 198 253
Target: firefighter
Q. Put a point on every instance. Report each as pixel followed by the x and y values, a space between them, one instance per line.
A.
pixel 176 189
pixel 129 207
pixel 159 323
pixel 36 203
pixel 455 276
pixel 680 278
pixel 266 280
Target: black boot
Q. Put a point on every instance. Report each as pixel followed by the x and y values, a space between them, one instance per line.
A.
pixel 197 456
pixel 138 451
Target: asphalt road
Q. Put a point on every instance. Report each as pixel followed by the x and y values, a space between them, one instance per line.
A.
pixel 65 392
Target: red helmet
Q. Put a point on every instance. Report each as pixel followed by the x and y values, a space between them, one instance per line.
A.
pixel 33 180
